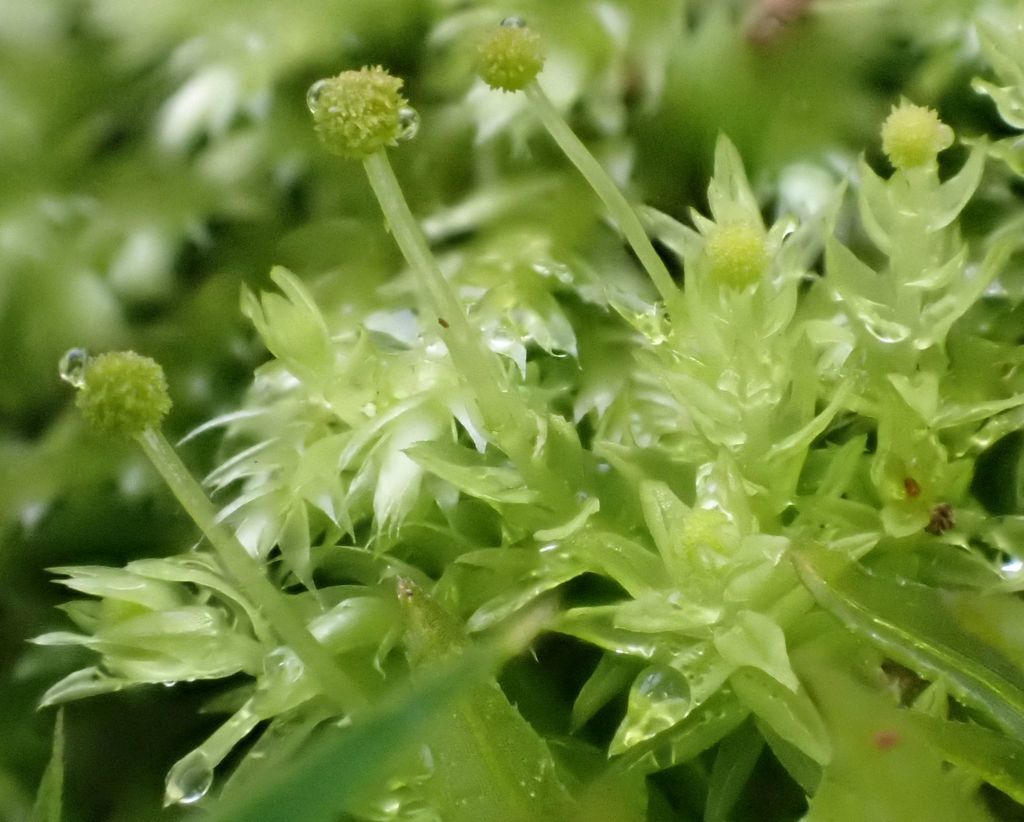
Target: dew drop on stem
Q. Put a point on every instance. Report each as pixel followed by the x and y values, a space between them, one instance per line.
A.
pixel 189 780
pixel 72 366
pixel 514 22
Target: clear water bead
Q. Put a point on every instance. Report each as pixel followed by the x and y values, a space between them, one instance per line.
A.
pixel 313 95
pixel 72 366
pixel 408 123
pixel 514 22
pixel 189 780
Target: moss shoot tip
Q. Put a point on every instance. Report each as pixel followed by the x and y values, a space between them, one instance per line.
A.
pixel 913 136
pixel 737 255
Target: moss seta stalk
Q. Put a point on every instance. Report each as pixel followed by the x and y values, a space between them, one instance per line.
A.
pixel 334 684
pixel 614 200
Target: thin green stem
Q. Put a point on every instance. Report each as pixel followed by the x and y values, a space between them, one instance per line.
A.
pixel 501 406
pixel 248 574
pixel 620 209
pixel 503 409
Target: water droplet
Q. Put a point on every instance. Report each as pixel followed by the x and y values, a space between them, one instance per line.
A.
pixel 189 780
pixel 72 366
pixel 514 22
pixel 313 95
pixel 408 123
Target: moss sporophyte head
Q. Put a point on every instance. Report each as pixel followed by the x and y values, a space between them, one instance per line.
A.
pixel 357 113
pixel 120 393
pixel 510 56
pixel 913 136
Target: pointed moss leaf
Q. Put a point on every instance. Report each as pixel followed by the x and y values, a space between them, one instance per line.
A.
pixel 626 562
pixel 865 297
pixel 49 802
pixel 938 317
pixel 355 622
pixel 756 641
pixel 883 766
pixel 1008 101
pixel 120 584
pixel 877 212
pixel 658 700
pixel 914 625
pixel 920 392
pixel 666 520
pixel 1002 46
pixel 801 768
pixel 792 715
pixel 700 730
pixel 729 194
pixel 945 205
pixel 472 473
pixel 294 543
pixel 344 767
pixel 473 778
pixel 694 674
pixel 292 327
pixel 663 611
pixel 204 571
pixel 590 507
pixel 990 755
pixel 611 676
pixel 734 763
pixel 86 682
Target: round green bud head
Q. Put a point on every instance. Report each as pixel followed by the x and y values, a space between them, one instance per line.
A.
pixel 510 56
pixel 123 393
pixel 358 112
pixel 913 136
pixel 702 530
pixel 737 255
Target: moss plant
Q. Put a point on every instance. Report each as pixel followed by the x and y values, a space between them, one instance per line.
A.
pixel 760 523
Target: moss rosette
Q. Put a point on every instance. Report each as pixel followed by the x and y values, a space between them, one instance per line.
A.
pixel 510 58
pixel 358 113
pixel 737 255
pixel 913 136
pixel 123 394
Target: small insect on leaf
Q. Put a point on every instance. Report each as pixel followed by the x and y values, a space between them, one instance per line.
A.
pixel 942 519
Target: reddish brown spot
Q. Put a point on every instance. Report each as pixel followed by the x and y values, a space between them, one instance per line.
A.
pixel 441 321
pixel 911 486
pixel 769 19
pixel 887 739
pixel 942 519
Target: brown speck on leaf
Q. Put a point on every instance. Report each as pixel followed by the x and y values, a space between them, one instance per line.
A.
pixel 942 519
pixel 405 589
pixel 887 739
pixel 911 486
pixel 769 19
pixel 441 321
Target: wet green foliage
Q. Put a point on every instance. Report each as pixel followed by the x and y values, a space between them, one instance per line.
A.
pixel 734 445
